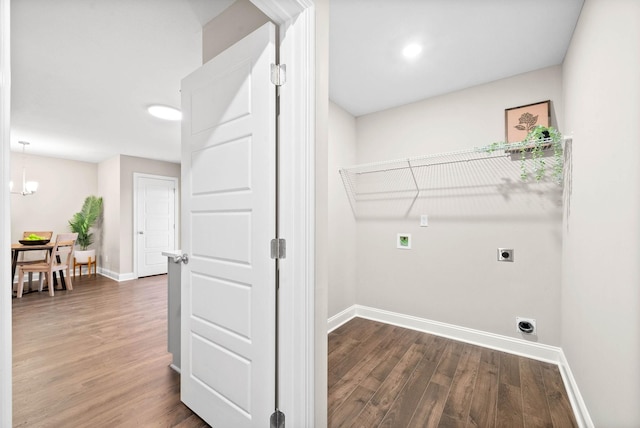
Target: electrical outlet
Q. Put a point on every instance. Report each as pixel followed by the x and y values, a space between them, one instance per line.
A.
pixel 526 325
pixel 505 254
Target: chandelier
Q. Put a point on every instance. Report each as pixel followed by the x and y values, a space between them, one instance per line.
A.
pixel 28 187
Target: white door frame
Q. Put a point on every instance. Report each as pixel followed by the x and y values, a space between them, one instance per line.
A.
pixel 5 296
pixel 297 21
pixel 176 215
pixel 297 209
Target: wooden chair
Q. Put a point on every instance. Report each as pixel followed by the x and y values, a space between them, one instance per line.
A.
pixel 63 251
pixel 41 255
pixel 88 264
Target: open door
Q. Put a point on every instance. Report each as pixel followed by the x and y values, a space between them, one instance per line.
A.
pixel 228 220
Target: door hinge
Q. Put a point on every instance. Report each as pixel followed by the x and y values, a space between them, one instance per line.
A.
pixel 277 419
pixel 278 74
pixel 278 248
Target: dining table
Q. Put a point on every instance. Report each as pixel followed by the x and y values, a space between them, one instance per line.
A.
pixel 18 248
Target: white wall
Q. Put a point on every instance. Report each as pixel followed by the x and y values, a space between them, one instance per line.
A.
pixel 129 165
pixel 234 23
pixel 451 275
pixel 116 187
pixel 63 187
pixel 109 189
pixel 601 275
pixel 64 184
pixel 342 225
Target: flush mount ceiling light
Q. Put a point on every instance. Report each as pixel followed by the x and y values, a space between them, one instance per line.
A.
pixel 412 51
pixel 165 112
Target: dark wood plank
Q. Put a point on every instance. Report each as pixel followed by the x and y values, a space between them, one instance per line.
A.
pixel 559 405
pixel 341 349
pixel 351 327
pixel 448 364
pixel 459 400
pixel 341 390
pixel 435 348
pixel 509 369
pixel 391 357
pixel 375 410
pixel 96 356
pixel 447 421
pixel 491 357
pixel 429 409
pixel 378 335
pixel 509 407
pixel 401 411
pixel 355 331
pixel 351 408
pixel 453 385
pixel 485 398
pixel 386 357
pixel 534 400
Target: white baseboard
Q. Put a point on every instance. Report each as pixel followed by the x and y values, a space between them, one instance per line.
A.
pixel 536 351
pixel 577 402
pixel 341 318
pixel 120 277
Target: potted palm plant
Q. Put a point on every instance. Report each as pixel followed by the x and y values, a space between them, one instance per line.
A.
pixel 81 223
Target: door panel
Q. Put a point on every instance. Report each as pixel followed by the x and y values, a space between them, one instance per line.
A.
pixel 155 223
pixel 228 220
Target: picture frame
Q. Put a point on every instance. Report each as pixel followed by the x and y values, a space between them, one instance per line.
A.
pixel 518 121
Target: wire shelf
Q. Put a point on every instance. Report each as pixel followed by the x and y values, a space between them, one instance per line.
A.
pixel 460 176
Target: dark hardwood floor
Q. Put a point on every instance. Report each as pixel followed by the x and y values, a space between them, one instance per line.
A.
pixel 386 376
pixel 96 357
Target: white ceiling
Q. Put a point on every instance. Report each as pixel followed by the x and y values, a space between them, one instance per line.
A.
pixel 84 71
pixel 465 43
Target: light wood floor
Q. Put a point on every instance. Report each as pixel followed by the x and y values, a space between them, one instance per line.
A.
pixel 96 357
pixel 386 376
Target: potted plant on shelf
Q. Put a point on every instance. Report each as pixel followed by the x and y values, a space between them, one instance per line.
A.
pixel 81 223
pixel 537 141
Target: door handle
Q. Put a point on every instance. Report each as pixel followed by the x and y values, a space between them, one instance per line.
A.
pixel 141 233
pixel 183 258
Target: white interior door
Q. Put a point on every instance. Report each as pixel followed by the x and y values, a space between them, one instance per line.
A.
pixel 155 222
pixel 228 220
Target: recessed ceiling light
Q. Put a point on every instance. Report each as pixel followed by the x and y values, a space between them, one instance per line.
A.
pixel 411 51
pixel 165 112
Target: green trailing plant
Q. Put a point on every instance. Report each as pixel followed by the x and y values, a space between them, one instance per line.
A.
pixel 82 222
pixel 537 154
pixel 494 146
pixel 523 165
pixel 537 141
pixel 558 166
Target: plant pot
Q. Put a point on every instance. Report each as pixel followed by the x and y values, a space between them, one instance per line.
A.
pixel 82 256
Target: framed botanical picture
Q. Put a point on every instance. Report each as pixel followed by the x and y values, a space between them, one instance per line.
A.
pixel 518 121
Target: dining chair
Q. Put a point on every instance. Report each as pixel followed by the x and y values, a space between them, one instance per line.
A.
pixel 62 251
pixel 41 256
